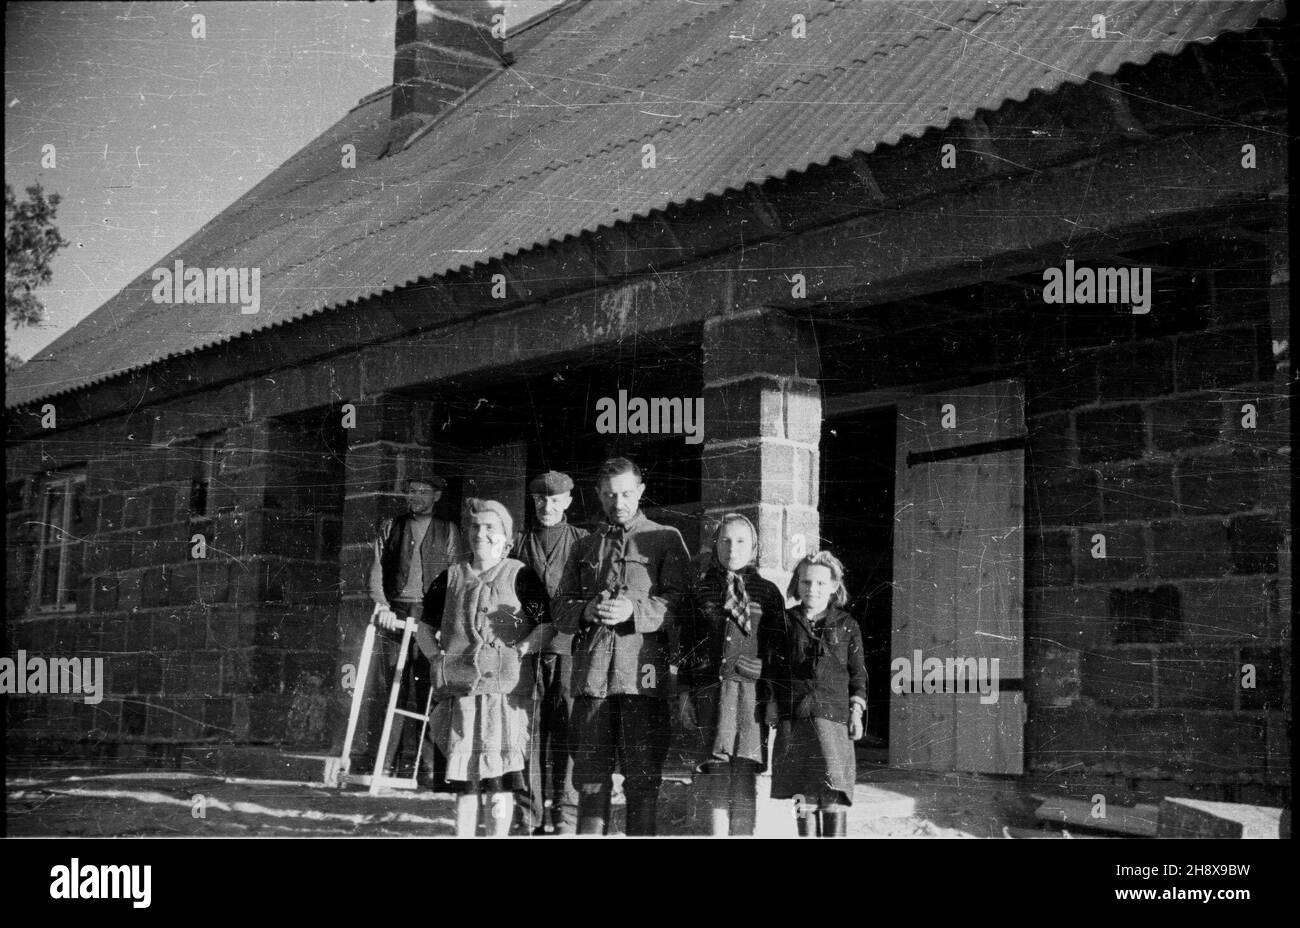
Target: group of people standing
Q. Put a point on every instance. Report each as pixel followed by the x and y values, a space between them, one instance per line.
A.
pixel 549 656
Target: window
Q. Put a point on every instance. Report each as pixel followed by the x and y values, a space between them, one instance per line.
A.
pixel 207 449
pixel 206 466
pixel 63 530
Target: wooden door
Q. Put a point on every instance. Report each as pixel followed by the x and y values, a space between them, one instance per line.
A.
pixel 958 570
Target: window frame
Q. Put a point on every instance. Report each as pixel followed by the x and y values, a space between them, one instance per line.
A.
pixel 207 467
pixel 66 480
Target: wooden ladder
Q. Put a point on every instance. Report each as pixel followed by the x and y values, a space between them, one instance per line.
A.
pixel 340 774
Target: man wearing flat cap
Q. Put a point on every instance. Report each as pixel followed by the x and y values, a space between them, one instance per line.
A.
pixel 411 550
pixel 546 549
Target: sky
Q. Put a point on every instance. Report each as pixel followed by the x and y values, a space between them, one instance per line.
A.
pixel 155 131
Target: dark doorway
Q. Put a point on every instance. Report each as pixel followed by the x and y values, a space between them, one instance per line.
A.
pixel 857 526
pixel 550 410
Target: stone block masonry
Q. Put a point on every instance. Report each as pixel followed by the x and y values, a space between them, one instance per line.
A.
pixel 763 416
pixel 229 640
pixel 1166 445
pixel 1156 638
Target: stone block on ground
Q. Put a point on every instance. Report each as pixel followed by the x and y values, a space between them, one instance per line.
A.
pixel 1199 818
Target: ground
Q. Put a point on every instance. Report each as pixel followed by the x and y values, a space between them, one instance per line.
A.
pixel 89 802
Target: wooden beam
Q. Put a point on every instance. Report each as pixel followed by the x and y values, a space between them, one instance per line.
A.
pixel 1246 235
pixel 1010 831
pixel 847 403
pixel 859 165
pixel 1135 820
pixel 762 209
pixel 957 238
pixel 1109 260
pixel 981 142
pixel 1122 118
pixel 1122 198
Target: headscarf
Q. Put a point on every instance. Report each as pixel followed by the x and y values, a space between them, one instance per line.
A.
pixel 474 506
pixel 735 602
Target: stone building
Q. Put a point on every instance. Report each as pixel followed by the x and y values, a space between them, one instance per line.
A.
pixel 835 223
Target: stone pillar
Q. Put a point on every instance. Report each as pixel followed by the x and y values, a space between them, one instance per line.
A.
pixel 389 440
pixel 762 429
pixel 236 503
pixel 276 508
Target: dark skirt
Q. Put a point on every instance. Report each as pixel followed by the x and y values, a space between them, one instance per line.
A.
pixel 730 724
pixel 816 756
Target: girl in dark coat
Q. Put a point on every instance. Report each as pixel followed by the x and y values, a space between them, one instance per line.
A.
pixel 732 618
pixel 820 680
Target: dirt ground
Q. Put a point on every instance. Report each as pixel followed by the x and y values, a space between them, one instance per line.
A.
pixel 887 804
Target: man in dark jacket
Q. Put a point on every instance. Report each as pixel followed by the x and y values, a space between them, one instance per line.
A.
pixel 618 597
pixel 549 771
pixel 411 550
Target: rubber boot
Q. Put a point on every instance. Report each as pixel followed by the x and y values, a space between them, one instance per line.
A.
pixel 717 799
pixel 834 823
pixel 744 800
pixel 564 820
pixel 642 808
pixel 807 825
pixel 593 813
pixel 564 812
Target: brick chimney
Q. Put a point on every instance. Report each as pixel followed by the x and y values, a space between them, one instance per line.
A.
pixel 444 49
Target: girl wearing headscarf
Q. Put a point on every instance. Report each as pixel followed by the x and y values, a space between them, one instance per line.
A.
pixel 727 632
pixel 491 612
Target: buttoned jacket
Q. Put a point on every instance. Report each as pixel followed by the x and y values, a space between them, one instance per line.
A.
pixel 646 563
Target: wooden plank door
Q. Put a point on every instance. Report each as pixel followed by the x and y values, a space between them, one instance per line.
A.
pixel 958 576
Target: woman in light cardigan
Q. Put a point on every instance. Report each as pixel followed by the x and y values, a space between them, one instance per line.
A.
pixel 491 612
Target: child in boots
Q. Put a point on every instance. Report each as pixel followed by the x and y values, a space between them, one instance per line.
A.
pixel 733 618
pixel 820 682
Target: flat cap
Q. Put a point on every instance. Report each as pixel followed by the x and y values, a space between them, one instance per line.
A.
pixel 551 483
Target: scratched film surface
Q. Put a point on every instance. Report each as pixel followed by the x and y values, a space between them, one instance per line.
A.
pixel 769 417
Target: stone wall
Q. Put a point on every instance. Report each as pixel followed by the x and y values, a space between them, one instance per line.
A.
pixel 209 585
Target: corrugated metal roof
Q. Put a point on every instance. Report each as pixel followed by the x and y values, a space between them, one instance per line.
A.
pixel 552 147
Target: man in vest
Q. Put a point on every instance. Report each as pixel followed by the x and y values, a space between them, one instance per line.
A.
pixel 411 550
pixel 546 548
pixel 618 597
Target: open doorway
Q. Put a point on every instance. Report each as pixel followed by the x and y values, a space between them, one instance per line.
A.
pixel 494 432
pixel 857 525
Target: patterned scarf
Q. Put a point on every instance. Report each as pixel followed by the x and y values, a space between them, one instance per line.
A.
pixel 736 603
